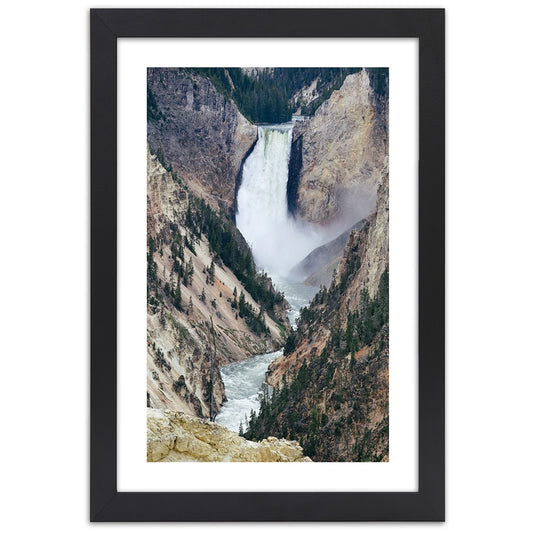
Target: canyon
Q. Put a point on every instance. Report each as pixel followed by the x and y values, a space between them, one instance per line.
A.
pixel 237 210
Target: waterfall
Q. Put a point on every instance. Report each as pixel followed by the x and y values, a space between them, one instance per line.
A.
pixel 277 240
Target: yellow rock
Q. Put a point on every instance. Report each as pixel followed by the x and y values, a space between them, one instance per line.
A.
pixel 174 436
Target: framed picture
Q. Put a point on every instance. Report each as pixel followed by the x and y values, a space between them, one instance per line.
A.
pixel 267 265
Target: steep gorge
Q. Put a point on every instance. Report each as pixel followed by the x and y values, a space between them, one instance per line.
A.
pixel 331 385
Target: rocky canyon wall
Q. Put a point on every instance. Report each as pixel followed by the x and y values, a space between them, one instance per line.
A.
pixel 192 309
pixel 340 155
pixel 201 134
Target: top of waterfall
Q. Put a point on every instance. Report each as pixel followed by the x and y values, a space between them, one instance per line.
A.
pixel 285 126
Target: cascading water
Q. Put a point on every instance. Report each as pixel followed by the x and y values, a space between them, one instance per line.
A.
pixel 278 242
pixel 243 382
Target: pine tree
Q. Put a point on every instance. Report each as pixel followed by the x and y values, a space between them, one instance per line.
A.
pixel 177 298
pixel 235 303
pixel 190 270
pixel 211 274
pixel 242 305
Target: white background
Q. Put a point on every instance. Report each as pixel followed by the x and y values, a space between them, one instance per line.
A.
pixel 401 472
pixel 44 224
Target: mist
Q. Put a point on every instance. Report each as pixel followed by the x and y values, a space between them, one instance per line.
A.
pixel 278 240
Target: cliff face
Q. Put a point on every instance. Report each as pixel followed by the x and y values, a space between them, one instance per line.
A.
pixel 202 135
pixel 188 287
pixel 319 267
pixel 305 96
pixel 173 437
pixel 343 151
pixel 366 256
pixel 332 385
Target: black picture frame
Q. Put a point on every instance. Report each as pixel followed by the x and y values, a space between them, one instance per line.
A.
pixel 106 503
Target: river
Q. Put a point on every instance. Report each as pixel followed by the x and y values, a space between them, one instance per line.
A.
pixel 278 242
pixel 244 380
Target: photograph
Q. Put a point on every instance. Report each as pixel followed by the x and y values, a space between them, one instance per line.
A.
pixel 267 264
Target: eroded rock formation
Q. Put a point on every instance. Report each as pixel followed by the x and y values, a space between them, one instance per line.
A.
pixel 341 153
pixel 202 135
pixel 174 437
pixel 180 339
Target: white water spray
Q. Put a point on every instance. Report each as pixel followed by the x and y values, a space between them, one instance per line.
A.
pixel 278 241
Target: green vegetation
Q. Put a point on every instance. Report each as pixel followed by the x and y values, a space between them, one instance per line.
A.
pixel 153 112
pixel 379 80
pixel 210 278
pixel 152 266
pixel 255 322
pixel 267 96
pixel 290 343
pixel 328 398
pixel 159 152
pixel 229 247
pixel 259 99
pixel 160 360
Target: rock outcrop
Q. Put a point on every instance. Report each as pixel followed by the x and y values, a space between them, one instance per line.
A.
pixel 342 152
pixel 174 437
pixel 202 135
